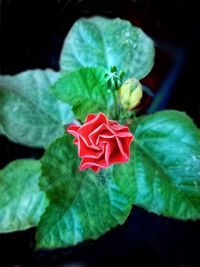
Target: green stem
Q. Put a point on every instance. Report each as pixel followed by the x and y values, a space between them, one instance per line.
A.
pixel 116 110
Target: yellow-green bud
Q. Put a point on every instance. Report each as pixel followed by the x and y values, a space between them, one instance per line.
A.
pixel 130 93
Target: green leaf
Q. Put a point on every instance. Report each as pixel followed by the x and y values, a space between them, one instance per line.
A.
pixel 163 174
pixel 106 42
pixel 83 205
pixel 86 90
pixel 21 202
pixel 29 113
pixel 1 129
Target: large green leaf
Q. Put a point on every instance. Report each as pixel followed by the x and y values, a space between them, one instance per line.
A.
pixel 86 90
pixel 29 113
pixel 83 205
pixel 106 42
pixel 163 174
pixel 21 201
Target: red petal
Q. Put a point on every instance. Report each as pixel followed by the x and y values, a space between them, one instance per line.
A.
pixel 85 151
pixel 108 132
pixel 72 129
pixel 89 163
pixel 95 168
pixel 117 149
pixel 111 147
pixel 91 125
pixel 102 130
pixel 118 158
pixel 123 153
pixel 125 142
pixel 116 127
pixel 75 141
pixel 111 122
pixel 123 134
pixel 108 150
pixel 90 117
pixel 121 149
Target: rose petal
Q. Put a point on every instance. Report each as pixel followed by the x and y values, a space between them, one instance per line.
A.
pixel 107 153
pixel 91 125
pixel 117 158
pixel 111 122
pixel 125 142
pixel 105 137
pixel 121 150
pixel 73 129
pixel 75 141
pixel 116 127
pixel 123 154
pixel 123 134
pixel 89 163
pixel 90 117
pixel 95 168
pixel 111 147
pixel 115 152
pixel 101 130
pixel 85 151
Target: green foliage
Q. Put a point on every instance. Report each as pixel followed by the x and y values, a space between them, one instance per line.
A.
pixel 83 205
pixel 106 42
pixel 29 113
pixel 86 90
pixel 163 174
pixel 21 202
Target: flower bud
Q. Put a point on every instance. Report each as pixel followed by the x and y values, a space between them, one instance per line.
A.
pixel 130 93
pixel 114 80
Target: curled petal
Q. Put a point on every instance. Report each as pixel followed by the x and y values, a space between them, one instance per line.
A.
pixel 99 131
pixel 90 117
pixel 85 151
pixel 126 142
pixel 73 129
pixel 88 163
pixel 91 125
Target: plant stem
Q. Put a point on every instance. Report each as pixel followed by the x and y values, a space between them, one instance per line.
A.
pixel 116 113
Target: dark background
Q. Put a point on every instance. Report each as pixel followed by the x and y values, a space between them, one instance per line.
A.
pixel 31 36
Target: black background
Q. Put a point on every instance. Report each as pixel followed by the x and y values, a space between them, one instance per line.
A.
pixel 31 36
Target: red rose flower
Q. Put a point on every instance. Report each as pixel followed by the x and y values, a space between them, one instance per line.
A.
pixel 101 142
